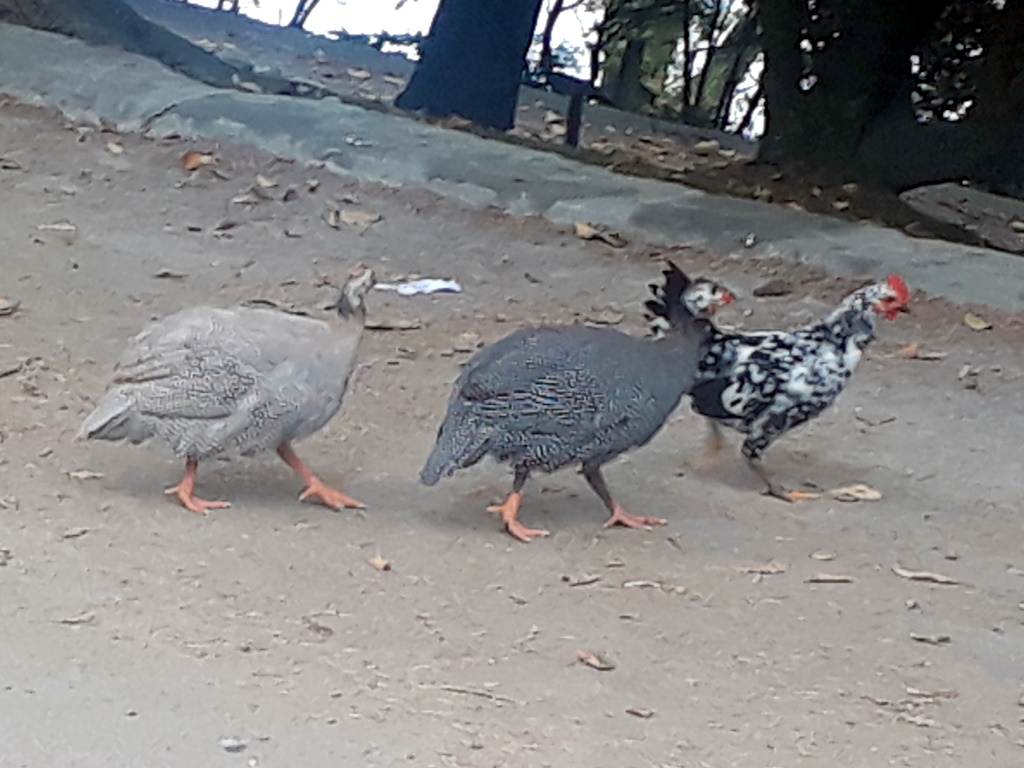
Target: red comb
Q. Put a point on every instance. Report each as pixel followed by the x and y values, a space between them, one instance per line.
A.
pixel 898 284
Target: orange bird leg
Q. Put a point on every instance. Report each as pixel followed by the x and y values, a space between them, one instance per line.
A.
pixel 184 489
pixel 712 447
pixel 509 512
pixel 315 487
pixel 619 515
pixel 776 489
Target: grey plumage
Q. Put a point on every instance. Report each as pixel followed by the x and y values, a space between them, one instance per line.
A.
pixel 545 398
pixel 229 382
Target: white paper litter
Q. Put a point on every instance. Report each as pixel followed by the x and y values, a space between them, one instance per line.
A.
pixel 425 286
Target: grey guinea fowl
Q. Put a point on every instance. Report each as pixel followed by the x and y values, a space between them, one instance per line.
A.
pixel 545 398
pixel 233 382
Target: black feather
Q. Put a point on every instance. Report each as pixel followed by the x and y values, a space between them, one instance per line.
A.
pixel 667 303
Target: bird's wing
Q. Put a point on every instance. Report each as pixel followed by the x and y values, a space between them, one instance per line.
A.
pixel 544 381
pixel 208 363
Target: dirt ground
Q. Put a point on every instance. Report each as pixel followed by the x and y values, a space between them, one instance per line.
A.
pixel 135 633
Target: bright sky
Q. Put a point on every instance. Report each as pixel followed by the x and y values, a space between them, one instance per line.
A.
pixel 360 17
pixel 364 17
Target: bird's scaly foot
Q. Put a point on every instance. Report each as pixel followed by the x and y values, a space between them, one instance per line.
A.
pixel 780 492
pixel 713 445
pixel 509 512
pixel 318 490
pixel 183 491
pixel 621 517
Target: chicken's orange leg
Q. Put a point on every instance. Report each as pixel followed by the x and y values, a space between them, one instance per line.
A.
pixel 315 487
pixel 712 447
pixel 184 492
pixel 509 512
pixel 775 488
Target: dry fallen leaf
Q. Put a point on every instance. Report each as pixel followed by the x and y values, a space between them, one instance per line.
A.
pixel 976 323
pixel 393 325
pixel 586 231
pixel 606 316
pixel 359 74
pixel 392 80
pixel 642 583
pixel 84 474
pixel 360 218
pixel 265 181
pixel 115 148
pixel 931 639
pixel 380 563
pixel 777 286
pixel 594 661
pixel 765 569
pixel 856 492
pixel 582 581
pixel 829 578
pixel 821 554
pixel 169 274
pixel 644 714
pixel 333 218
pixel 8 306
pixel 946 693
pixel 58 226
pixel 83 618
pixel 706 147
pixel 190 161
pixel 933 578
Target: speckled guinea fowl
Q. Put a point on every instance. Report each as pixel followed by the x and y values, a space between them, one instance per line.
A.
pixel 234 382
pixel 545 398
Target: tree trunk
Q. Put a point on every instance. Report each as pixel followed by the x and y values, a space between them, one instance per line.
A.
pixel 302 11
pixel 546 54
pixel 858 75
pixel 625 87
pixel 473 61
pixel 114 22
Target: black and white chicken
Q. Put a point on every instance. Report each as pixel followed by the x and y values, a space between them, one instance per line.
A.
pixel 763 384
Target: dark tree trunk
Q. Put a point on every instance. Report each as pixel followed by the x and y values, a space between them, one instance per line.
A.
pixel 859 75
pixel 114 22
pixel 985 147
pixel 626 88
pixel 546 54
pixel 302 11
pixel 473 61
pixel 858 118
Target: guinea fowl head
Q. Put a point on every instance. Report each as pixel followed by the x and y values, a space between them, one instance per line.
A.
pixel 705 296
pixel 353 295
pixel 677 296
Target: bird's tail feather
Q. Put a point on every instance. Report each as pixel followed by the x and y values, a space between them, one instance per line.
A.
pixel 111 420
pixel 667 309
pixel 450 455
